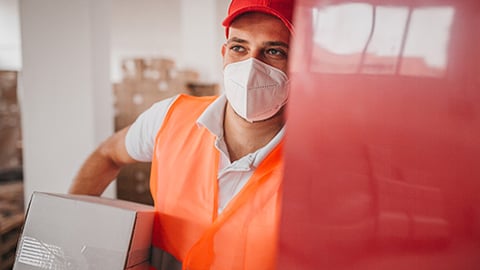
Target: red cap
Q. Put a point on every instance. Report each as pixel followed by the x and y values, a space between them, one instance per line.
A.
pixel 282 9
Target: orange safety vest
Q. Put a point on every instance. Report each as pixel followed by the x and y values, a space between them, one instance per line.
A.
pixel 184 187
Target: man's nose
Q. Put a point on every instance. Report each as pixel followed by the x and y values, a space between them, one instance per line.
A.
pixel 257 54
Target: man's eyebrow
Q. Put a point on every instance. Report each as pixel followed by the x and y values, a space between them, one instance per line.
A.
pixel 276 43
pixel 237 40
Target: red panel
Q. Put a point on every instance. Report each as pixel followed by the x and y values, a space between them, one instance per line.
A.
pixel 383 137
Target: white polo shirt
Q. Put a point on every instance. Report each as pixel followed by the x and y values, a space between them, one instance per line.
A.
pixel 140 141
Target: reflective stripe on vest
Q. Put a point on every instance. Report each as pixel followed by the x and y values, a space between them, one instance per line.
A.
pixel 184 188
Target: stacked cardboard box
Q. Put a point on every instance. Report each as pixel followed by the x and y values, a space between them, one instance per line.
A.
pixel 10 132
pixel 11 186
pixel 203 89
pixel 134 184
pixel 11 221
pixel 145 81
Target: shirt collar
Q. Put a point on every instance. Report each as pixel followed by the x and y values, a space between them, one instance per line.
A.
pixel 264 151
pixel 212 117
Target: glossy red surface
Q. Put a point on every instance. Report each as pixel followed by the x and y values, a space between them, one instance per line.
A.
pixel 383 136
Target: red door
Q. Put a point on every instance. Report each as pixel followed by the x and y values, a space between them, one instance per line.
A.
pixel 383 136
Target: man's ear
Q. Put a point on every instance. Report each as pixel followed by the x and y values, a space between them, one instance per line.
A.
pixel 223 50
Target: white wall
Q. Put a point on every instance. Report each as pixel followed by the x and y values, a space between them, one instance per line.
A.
pixel 10 56
pixel 144 28
pixel 65 94
pixel 201 28
pixel 187 31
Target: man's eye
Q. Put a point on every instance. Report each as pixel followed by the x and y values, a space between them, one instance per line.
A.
pixel 237 48
pixel 276 53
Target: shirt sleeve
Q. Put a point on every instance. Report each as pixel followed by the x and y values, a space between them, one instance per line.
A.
pixel 140 138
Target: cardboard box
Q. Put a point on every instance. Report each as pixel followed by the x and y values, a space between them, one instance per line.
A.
pixel 133 183
pixel 10 147
pixel 147 68
pixel 84 232
pixel 10 128
pixel 203 89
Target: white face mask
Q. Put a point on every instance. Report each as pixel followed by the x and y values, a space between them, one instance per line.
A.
pixel 255 90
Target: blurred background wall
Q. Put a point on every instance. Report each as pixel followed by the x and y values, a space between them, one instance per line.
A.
pixel 69 54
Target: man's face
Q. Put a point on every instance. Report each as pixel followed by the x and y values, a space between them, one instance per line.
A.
pixel 260 36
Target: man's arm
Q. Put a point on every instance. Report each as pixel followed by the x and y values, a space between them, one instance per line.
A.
pixel 102 166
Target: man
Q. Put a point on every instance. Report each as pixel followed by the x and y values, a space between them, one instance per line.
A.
pixel 216 162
